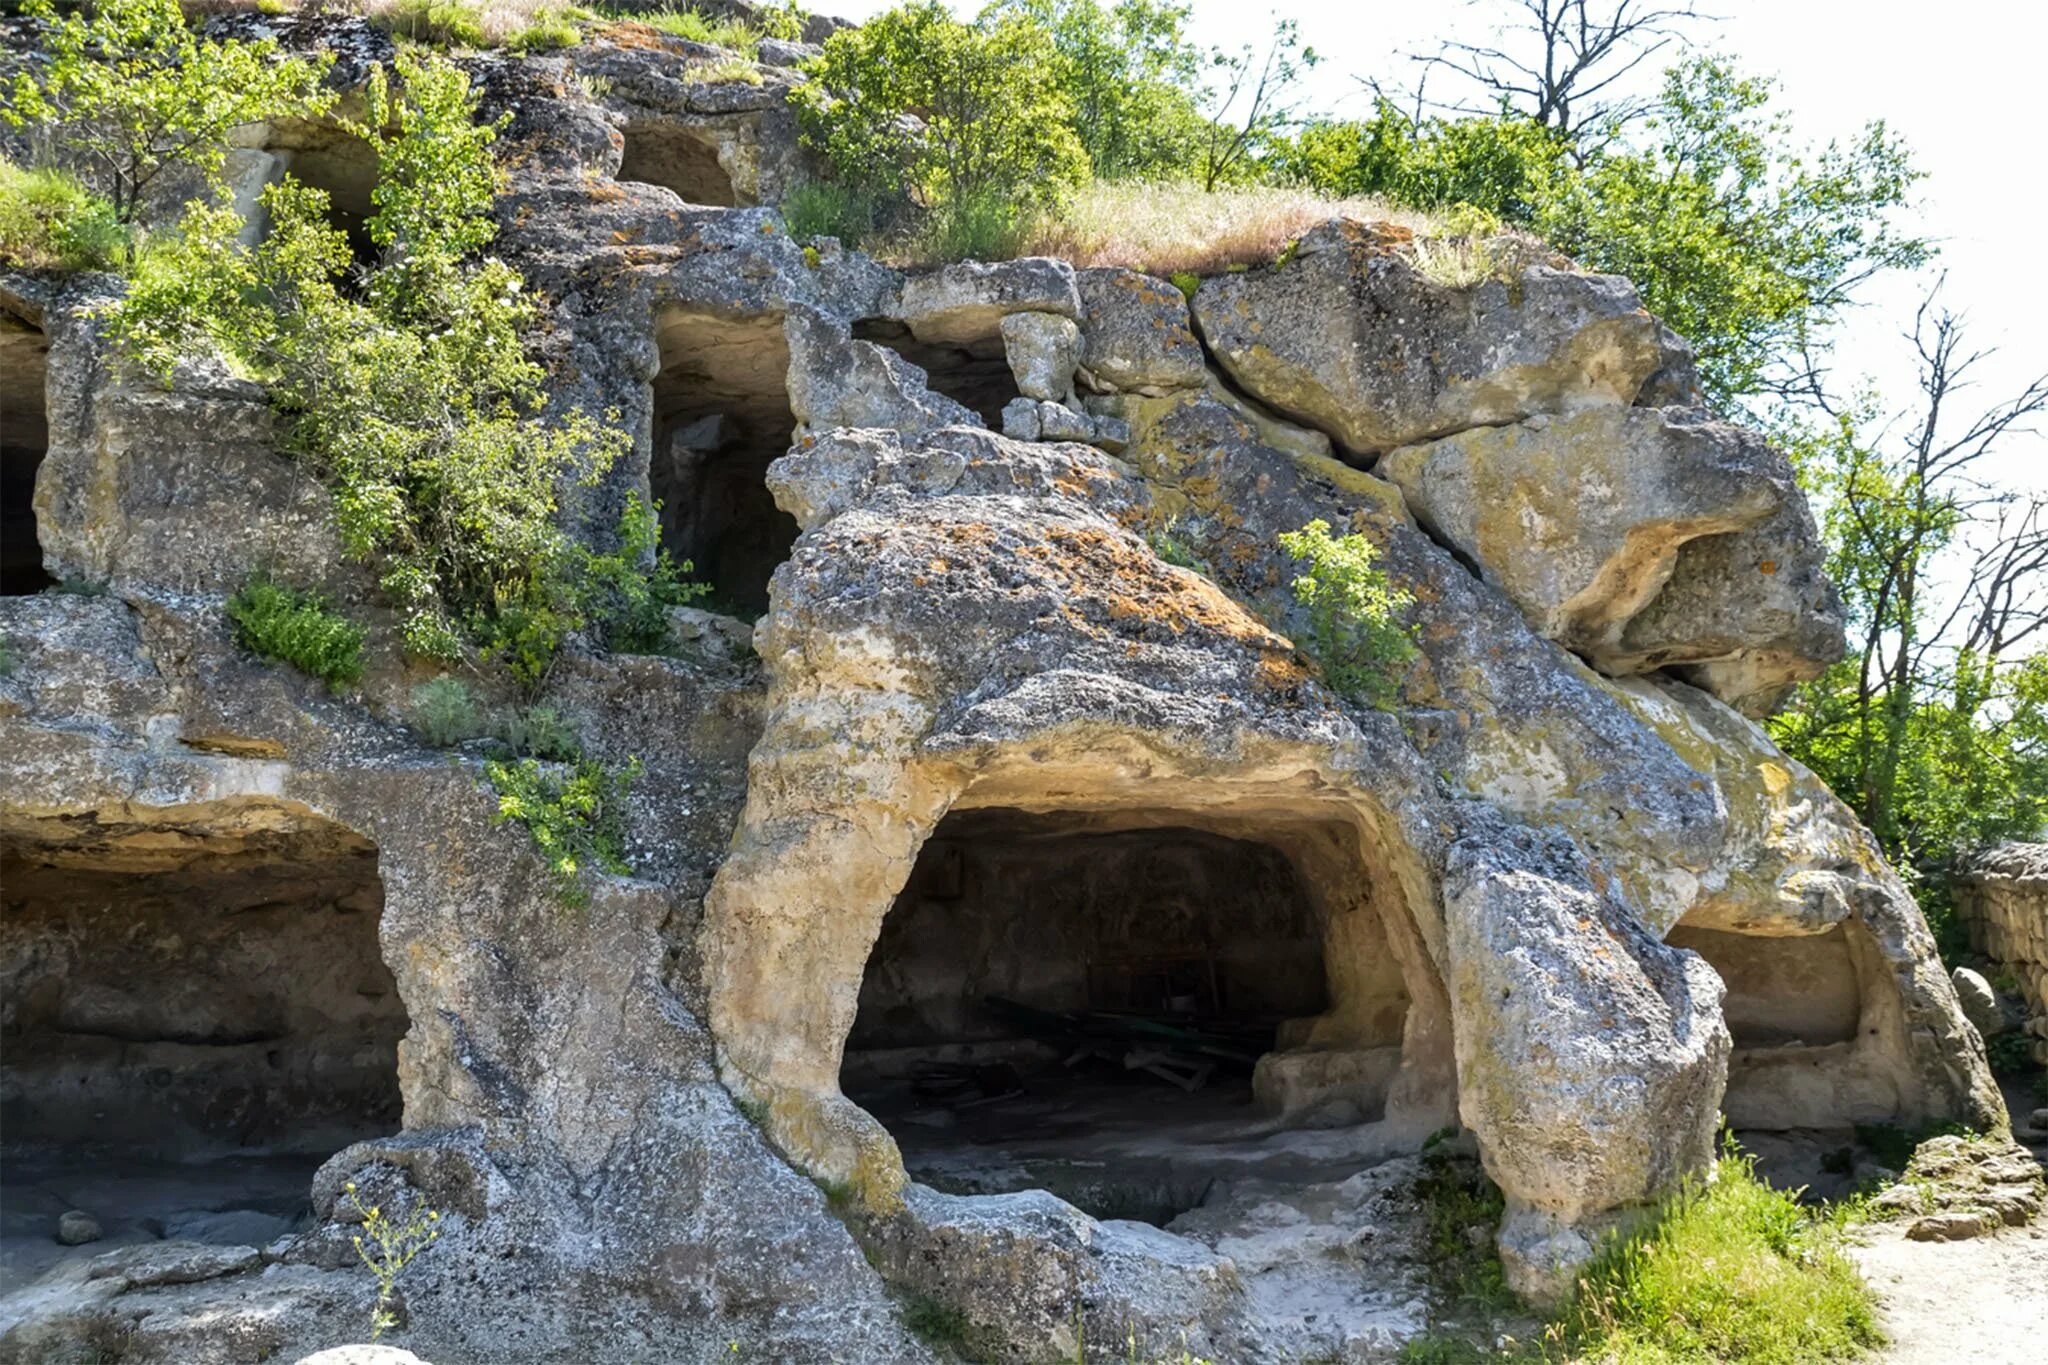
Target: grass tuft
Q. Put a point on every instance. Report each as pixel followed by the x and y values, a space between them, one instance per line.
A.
pixel 50 221
pixel 298 628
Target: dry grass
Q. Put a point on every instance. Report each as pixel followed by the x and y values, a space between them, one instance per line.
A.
pixel 1165 228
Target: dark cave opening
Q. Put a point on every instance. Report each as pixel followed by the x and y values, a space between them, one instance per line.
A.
pixel 1057 1004
pixel 721 417
pixel 345 169
pixel 195 1017
pixel 975 375
pixel 24 439
pixel 680 159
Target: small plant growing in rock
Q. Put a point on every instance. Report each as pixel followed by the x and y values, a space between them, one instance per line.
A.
pixel 1354 630
pixel 541 732
pixel 445 713
pixel 387 1248
pixel 1168 545
pixel 299 628
pixel 573 813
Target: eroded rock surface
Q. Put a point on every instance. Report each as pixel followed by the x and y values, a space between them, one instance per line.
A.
pixel 1560 890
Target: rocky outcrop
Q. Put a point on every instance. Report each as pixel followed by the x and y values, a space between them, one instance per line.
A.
pixel 1349 335
pixel 1557 895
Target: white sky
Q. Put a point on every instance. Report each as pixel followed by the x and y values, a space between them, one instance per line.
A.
pixel 1964 81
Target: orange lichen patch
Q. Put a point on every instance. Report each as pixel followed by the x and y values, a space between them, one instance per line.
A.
pixel 1280 673
pixel 1100 567
pixel 625 33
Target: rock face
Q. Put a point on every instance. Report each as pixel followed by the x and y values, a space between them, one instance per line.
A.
pixel 1351 336
pixel 2002 898
pixel 1012 703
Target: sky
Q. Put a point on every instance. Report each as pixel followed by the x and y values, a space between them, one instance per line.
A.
pixel 1963 82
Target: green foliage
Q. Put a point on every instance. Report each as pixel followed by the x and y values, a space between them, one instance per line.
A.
pixel 817 208
pixel 131 92
pixel 1129 72
pixel 1728 1271
pixel 2010 1054
pixel 1187 281
pixel 411 396
pixel 997 142
pixel 299 628
pixel 548 31
pixel 574 813
pixel 445 712
pixel 49 220
pixel 1354 632
pixel 941 1325
pixel 437 23
pixel 387 1248
pixel 1171 548
pixel 1457 1199
pixel 541 732
pixel 627 592
pixel 7 664
pixel 1745 242
pixel 719 30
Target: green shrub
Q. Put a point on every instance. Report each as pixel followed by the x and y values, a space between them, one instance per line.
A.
pixel 723 31
pixel 133 92
pixel 992 143
pixel 299 628
pixel 628 591
pixel 986 225
pixel 541 732
pixel 818 208
pixel 49 220
pixel 1354 633
pixel 2010 1054
pixel 412 395
pixel 437 23
pixel 1727 1270
pixel 1187 281
pixel 548 31
pixel 573 813
pixel 445 713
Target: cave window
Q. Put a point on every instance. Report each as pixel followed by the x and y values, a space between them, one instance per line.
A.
pixel 1796 990
pixel 194 1020
pixel 1058 1005
pixel 721 416
pixel 24 438
pixel 680 159
pixel 975 374
pixel 345 168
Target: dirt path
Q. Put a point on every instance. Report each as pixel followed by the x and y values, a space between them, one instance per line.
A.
pixel 1980 1302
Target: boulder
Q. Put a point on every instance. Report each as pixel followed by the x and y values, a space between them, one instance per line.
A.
pixel 76 1227
pixel 1137 335
pixel 1043 349
pixel 838 381
pixel 1580 518
pixel 362 1354
pixel 1349 335
pixel 1979 1002
pixel 164 1263
pixel 965 304
pixel 1574 1135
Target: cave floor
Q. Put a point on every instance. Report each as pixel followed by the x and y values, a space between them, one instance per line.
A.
pixel 241 1200
pixel 1124 1146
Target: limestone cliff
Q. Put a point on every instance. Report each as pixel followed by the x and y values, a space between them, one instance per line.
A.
pixel 1562 893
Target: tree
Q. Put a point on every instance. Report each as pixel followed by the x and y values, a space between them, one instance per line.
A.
pixel 1748 244
pixel 1565 79
pixel 134 93
pixel 1935 728
pixel 1129 70
pixel 970 122
pixel 1253 101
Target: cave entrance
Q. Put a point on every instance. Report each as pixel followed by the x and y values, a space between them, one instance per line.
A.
pixel 343 167
pixel 681 159
pixel 721 416
pixel 1117 1013
pixel 196 1015
pixel 24 439
pixel 975 374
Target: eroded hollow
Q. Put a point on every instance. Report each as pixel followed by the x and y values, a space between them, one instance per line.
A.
pixel 721 416
pixel 976 375
pixel 24 439
pixel 681 159
pixel 344 168
pixel 196 1014
pixel 1119 1014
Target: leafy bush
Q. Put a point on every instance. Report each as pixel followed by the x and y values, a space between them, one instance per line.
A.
pixel 445 713
pixel 717 30
pixel 818 208
pixel 439 23
pixel 133 93
pixel 996 143
pixel 541 732
pixel 548 31
pixel 627 592
pixel 49 220
pixel 299 628
pixel 573 813
pixel 1727 1270
pixel 1353 630
pixel 413 396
